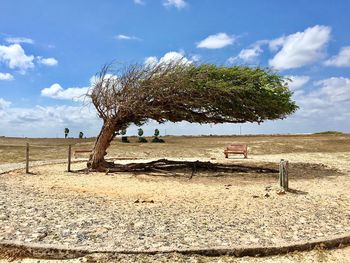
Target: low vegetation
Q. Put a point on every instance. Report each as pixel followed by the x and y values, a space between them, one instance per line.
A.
pixel 329 133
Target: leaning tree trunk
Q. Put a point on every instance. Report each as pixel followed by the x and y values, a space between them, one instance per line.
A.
pixel 103 141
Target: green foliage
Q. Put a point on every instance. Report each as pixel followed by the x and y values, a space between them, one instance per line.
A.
pixel 156 139
pixel 156 133
pixel 216 94
pixel 81 135
pixel 178 92
pixel 242 94
pixel 140 132
pixel 123 132
pixel 66 132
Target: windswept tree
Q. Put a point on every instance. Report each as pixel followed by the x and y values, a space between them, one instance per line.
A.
pixel 141 138
pixel 66 132
pixel 156 138
pixel 81 135
pixel 178 91
pixel 156 133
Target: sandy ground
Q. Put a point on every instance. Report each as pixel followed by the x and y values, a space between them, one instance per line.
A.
pixel 159 212
pixel 315 256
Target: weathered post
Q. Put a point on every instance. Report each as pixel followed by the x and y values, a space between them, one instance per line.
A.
pixel 283 174
pixel 27 158
pixel 69 157
pixel 280 178
pixel 286 179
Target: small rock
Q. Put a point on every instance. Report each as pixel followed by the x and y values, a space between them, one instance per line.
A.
pixel 4 217
pixel 41 230
pixel 81 236
pixel 39 236
pixel 65 233
pixel 281 192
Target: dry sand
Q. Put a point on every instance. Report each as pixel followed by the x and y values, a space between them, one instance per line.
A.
pixel 101 211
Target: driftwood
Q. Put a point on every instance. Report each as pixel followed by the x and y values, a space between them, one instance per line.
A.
pixel 168 166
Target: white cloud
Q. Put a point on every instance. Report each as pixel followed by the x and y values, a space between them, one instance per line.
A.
pixel 329 100
pixel 219 40
pixel 125 37
pixel 47 61
pixel 4 104
pixel 15 57
pixel 336 89
pixel 174 56
pixel 151 61
pixel 247 55
pixel 275 44
pixel 48 121
pixel 301 48
pixel 55 91
pixel 19 40
pixel 196 58
pixel 167 58
pixel 179 4
pixel 340 60
pixel 297 82
pixel 6 76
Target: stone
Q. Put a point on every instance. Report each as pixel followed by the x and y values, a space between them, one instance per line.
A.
pixel 65 233
pixel 4 217
pixel 281 192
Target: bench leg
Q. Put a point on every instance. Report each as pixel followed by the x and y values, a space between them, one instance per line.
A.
pixel 226 155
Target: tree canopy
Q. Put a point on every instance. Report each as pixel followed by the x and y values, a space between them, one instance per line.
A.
pixel 179 91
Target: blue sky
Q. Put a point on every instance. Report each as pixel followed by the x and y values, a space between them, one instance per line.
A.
pixel 49 51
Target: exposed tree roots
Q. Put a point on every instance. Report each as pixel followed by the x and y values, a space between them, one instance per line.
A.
pixel 169 167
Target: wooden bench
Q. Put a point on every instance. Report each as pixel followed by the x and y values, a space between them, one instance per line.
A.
pixel 236 149
pixel 80 151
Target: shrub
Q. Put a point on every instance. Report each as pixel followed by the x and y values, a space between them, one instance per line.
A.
pixel 330 132
pixel 158 140
pixel 142 140
pixel 125 139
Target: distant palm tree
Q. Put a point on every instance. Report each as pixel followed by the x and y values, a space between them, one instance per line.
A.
pixel 81 135
pixel 66 131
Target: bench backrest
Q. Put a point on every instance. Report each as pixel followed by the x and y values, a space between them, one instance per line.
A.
pixel 237 147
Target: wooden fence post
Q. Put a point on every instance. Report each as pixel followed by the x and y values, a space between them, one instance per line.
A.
pixel 286 179
pixel 27 158
pixel 283 175
pixel 69 157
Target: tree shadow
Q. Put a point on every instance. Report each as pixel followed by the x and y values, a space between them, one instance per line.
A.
pixel 297 192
